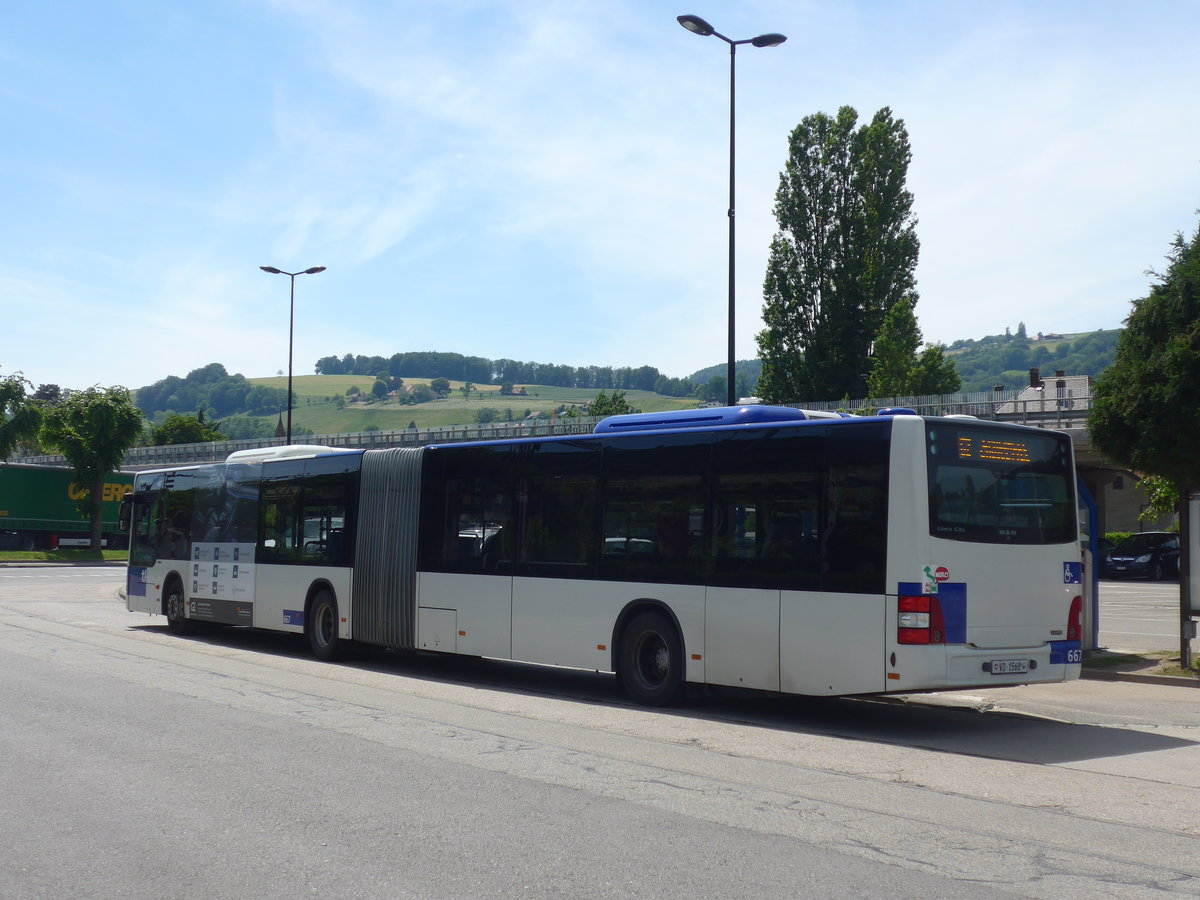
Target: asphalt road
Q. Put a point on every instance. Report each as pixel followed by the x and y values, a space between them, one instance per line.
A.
pixel 134 763
pixel 1139 615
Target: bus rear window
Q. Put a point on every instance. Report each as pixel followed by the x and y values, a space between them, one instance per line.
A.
pixel 1000 486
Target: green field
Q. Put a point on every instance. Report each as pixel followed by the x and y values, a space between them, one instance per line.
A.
pixel 316 410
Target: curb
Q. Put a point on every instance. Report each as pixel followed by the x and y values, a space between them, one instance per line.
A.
pixel 53 563
pixel 1134 677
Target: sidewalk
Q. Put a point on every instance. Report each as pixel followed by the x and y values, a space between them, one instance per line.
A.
pixel 44 563
pixel 1143 668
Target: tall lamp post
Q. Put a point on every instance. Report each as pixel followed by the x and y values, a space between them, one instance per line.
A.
pixel 291 330
pixel 697 25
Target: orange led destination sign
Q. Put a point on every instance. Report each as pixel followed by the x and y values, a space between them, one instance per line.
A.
pixel 993 450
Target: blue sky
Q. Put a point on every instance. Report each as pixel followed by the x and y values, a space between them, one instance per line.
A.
pixel 547 180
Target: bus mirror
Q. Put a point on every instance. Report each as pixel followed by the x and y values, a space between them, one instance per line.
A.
pixel 126 513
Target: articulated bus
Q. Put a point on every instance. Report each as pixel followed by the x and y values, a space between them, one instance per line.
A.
pixel 754 547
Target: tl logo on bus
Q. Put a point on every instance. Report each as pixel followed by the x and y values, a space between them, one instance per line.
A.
pixel 934 577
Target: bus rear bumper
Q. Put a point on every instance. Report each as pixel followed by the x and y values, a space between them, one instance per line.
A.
pixel 965 666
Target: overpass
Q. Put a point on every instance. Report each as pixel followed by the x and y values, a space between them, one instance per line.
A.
pixel 1113 488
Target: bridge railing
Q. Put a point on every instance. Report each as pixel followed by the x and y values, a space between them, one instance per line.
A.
pixel 212 451
pixel 999 406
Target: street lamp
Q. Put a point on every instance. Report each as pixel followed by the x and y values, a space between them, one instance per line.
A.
pixel 697 25
pixel 291 330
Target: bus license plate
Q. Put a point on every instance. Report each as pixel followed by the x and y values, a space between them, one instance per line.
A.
pixel 1010 666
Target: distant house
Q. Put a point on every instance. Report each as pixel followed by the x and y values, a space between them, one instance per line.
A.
pixel 1050 394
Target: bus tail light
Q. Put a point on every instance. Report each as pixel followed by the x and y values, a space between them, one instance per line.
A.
pixel 920 621
pixel 1075 620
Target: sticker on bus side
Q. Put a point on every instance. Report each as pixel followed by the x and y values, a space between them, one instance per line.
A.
pixel 293 617
pixel 1072 573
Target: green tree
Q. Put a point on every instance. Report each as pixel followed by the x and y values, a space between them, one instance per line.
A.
pixel 486 415
pixel 177 429
pixel 1146 407
pixel 613 404
pixel 1162 495
pixel 93 429
pixel 935 373
pixel 898 369
pixel 844 255
pixel 19 416
pixel 48 393
pixel 440 386
pixel 713 389
pixel 895 352
pixel 422 393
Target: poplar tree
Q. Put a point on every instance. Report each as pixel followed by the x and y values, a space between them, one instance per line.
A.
pixel 845 253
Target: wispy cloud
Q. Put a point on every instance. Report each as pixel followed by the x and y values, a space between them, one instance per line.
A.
pixel 547 179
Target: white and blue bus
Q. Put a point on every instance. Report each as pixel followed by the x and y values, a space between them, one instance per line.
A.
pixel 755 547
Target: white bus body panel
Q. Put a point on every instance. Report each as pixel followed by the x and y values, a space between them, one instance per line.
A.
pixel 832 643
pixel 281 590
pixel 484 607
pixel 742 637
pixel 551 621
pixel 802 642
pixel 564 622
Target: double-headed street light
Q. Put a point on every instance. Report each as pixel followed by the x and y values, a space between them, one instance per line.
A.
pixel 697 25
pixel 291 330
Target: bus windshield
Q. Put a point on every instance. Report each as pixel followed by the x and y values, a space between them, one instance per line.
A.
pixel 997 486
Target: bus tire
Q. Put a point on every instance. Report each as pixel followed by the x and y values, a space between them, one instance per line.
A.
pixel 175 607
pixel 650 660
pixel 321 625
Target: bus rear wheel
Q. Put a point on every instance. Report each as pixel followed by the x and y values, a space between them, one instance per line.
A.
pixel 321 625
pixel 650 660
pixel 176 609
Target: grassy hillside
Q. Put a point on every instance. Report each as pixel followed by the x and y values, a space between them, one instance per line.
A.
pixel 316 408
pixel 1006 359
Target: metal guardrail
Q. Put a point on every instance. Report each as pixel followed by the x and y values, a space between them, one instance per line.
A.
pixel 998 406
pixel 183 454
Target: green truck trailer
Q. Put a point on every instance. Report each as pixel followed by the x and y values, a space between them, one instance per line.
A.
pixel 39 508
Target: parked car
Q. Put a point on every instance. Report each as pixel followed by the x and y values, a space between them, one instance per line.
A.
pixel 1151 554
pixel 1104 549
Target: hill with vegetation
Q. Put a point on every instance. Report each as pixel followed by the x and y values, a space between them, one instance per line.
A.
pixel 338 404
pixel 429 390
pixel 1005 359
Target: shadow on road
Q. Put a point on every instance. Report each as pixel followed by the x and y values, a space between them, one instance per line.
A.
pixel 961 730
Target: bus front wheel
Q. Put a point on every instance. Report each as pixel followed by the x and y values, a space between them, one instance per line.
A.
pixel 176 608
pixel 321 625
pixel 650 660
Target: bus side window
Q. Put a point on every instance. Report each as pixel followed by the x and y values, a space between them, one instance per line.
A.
pixel 856 534
pixel 477 536
pixel 281 524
